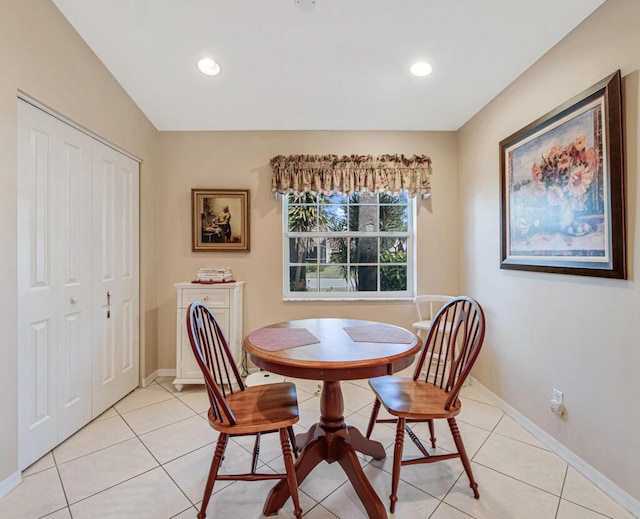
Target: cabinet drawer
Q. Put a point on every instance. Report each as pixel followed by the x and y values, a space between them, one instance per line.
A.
pixel 213 298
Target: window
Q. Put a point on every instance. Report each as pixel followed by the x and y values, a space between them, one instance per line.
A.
pixel 356 247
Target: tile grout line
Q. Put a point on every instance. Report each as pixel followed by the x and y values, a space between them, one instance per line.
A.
pixel 99 450
pixel 161 465
pixel 441 503
pixel 516 479
pixel 564 482
pixel 136 436
pixel 472 459
pixel 64 492
pixel 510 476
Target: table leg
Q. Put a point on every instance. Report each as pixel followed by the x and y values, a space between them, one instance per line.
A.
pixel 365 445
pixel 331 440
pixel 351 466
pixel 305 438
pixel 312 454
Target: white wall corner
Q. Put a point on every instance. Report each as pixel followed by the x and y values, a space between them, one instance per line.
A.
pixel 148 380
pixel 10 483
pixel 616 493
pixel 157 373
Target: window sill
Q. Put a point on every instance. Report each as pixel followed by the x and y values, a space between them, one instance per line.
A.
pixel 385 299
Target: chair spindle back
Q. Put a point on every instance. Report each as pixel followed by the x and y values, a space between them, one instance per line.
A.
pixel 452 346
pixel 221 376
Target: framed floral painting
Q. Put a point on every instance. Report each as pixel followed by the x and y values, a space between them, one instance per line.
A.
pixel 562 187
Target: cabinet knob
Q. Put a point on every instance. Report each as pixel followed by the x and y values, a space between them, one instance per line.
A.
pixel 205 298
pixel 74 300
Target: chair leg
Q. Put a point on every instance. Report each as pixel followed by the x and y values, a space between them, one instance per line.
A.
pixel 213 472
pixel 256 453
pixel 397 463
pixel 374 416
pixel 292 439
pixel 291 472
pixel 463 455
pixel 432 433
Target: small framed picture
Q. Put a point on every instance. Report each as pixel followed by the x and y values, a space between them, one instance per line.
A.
pixel 562 186
pixel 220 219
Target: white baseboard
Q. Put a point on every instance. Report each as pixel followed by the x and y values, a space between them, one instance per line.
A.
pixel 620 496
pixel 157 373
pixel 10 483
pixel 148 380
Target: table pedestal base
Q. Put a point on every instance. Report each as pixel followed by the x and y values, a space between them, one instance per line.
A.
pixel 333 445
pixel 351 434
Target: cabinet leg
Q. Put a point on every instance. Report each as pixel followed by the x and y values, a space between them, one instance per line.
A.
pixel 178 387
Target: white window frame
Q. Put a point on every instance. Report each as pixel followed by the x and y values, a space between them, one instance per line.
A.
pixel 404 295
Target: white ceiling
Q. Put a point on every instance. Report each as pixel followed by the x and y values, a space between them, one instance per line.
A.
pixel 323 65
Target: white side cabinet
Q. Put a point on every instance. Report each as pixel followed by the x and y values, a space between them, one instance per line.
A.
pixel 225 302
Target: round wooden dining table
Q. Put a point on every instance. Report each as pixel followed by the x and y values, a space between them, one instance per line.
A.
pixel 332 350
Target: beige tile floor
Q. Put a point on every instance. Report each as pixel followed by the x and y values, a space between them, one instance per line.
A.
pixel 148 457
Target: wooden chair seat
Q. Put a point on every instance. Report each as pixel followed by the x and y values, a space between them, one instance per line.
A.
pixel 415 399
pixel 259 408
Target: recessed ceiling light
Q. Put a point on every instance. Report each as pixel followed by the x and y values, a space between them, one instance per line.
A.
pixel 209 67
pixel 421 69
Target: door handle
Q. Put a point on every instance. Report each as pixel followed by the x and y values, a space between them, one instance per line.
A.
pixel 108 304
pixel 74 300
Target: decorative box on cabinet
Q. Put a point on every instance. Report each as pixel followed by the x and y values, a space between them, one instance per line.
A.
pixel 225 302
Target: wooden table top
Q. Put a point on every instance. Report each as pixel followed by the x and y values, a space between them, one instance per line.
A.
pixel 332 349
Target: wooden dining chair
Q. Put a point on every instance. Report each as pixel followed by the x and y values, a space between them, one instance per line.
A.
pixel 432 393
pixel 237 410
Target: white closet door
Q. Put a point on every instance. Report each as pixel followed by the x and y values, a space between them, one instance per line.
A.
pixel 115 249
pixel 75 291
pixel 54 281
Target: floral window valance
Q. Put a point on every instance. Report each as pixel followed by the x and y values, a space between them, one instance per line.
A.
pixel 328 174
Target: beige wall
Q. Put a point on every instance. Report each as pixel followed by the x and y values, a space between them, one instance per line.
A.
pixel 43 56
pixel 580 335
pixel 240 160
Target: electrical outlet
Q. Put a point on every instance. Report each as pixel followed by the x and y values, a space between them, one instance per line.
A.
pixel 558 396
pixel 556 408
pixel 556 404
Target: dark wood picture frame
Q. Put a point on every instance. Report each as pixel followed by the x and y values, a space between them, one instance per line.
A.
pixel 562 188
pixel 220 220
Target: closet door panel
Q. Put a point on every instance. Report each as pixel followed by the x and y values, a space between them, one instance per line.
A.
pixel 115 265
pixel 129 171
pixel 76 284
pixel 105 329
pixel 37 285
